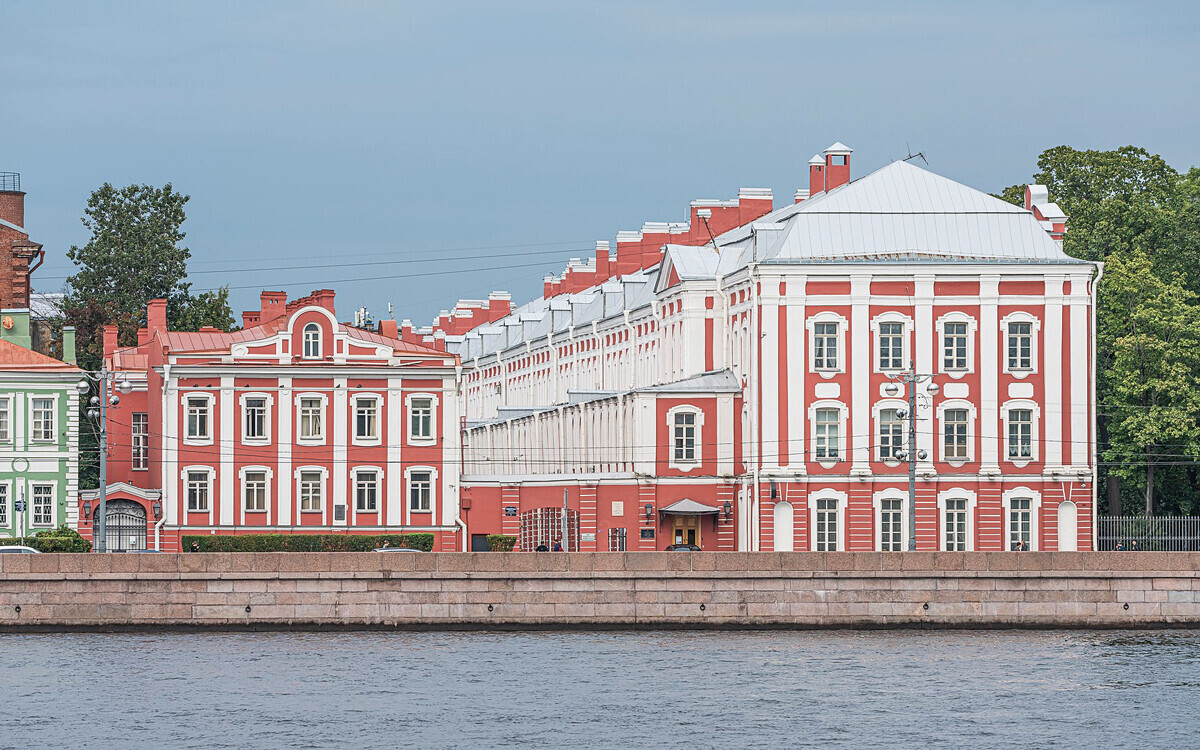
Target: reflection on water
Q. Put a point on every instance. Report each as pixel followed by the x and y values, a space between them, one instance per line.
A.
pixel 657 689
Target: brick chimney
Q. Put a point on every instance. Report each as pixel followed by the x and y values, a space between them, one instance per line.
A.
pixel 837 165
pixel 156 316
pixel 389 328
pixel 499 305
pixel 272 306
pixel 816 174
pixel 324 298
pixel 110 340
pixel 17 252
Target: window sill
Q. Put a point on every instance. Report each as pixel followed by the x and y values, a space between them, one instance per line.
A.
pixel 424 441
pixel 684 467
pixel 310 441
pixel 957 374
pixel 957 463
pixel 828 463
pixel 367 441
pixel 420 512
pixel 256 441
pixel 1020 374
pixel 314 511
pixel 1021 463
pixel 197 441
pixel 827 374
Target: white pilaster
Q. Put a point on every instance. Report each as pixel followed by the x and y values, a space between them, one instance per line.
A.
pixel 1080 339
pixel 285 440
pixel 924 337
pixel 1051 366
pixel 860 373
pixel 397 433
pixel 339 477
pixel 796 345
pixel 226 497
pixel 989 373
pixel 768 345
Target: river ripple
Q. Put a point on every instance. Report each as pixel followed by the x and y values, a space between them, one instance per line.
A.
pixel 653 689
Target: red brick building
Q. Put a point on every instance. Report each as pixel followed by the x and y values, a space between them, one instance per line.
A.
pixel 19 256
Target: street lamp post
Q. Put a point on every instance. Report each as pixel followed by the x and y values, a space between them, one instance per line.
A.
pixel 97 409
pixel 910 378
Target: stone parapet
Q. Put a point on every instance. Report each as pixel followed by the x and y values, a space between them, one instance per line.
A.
pixel 599 590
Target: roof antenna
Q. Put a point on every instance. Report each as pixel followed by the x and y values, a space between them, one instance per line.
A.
pixel 911 155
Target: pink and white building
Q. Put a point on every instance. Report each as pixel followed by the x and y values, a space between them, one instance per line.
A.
pixel 727 381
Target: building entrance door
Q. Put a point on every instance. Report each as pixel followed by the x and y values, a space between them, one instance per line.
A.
pixel 125 525
pixel 686 530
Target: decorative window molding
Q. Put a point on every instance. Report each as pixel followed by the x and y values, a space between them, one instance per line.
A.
pixel 420 484
pixel 249 402
pixel 422 416
pixel 43 418
pixel 883 443
pixel 944 437
pixel 139 441
pixel 310 337
pixel 311 424
pixel 827 534
pixel 366 411
pixel 197 417
pixel 949 353
pixel 197 488
pixel 256 489
pixel 828 363
pixel 368 489
pixel 684 439
pixel 43 502
pixel 6 419
pixel 311 484
pixel 950 535
pixel 1024 524
pixel 6 509
pixel 887 537
pixel 884 355
pixel 830 449
pixel 1017 359
pixel 1016 450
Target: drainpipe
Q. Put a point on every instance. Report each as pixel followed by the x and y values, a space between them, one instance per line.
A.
pixel 158 528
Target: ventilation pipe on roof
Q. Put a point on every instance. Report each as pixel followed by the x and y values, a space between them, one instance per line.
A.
pixel 816 175
pixel 837 165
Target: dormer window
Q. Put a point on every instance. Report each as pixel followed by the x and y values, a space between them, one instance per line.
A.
pixel 312 341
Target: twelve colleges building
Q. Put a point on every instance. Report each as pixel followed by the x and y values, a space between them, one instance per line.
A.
pixel 727 382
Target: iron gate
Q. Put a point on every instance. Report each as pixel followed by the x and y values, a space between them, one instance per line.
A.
pixel 545 526
pixel 125 525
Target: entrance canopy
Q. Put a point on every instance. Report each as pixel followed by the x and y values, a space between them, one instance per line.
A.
pixel 687 507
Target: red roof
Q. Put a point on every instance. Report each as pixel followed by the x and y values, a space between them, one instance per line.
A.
pixel 14 357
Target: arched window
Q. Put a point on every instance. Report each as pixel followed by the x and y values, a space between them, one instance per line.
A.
pixel 312 341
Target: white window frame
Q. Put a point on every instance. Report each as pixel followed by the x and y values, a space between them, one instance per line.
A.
pixel 433 487
pixel 320 344
pixel 299 479
pixel 377 473
pixel 891 493
pixel 414 439
pixel 6 407
pixel 1035 512
pixel 244 411
pixel 134 434
pixel 31 495
pixel 891 316
pixel 877 425
pixel 209 399
pixel 843 412
pixel 972 330
pixel 1035 327
pixel 697 443
pixel 376 402
pixel 1034 430
pixel 324 416
pixel 972 420
pixel 972 501
pixel 34 436
pixel 268 475
pixel 185 474
pixel 827 316
pixel 841 501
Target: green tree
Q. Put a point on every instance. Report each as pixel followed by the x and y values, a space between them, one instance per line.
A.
pixel 134 255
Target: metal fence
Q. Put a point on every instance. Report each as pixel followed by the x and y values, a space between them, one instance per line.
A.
pixel 1170 533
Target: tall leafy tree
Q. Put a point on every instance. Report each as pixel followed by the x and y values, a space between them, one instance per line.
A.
pixel 134 255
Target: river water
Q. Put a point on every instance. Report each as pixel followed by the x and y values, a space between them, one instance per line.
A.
pixel 612 690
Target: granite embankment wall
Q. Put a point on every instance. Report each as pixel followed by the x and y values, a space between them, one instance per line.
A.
pixel 588 590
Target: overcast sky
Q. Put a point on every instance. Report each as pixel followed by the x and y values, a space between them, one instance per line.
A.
pixel 422 152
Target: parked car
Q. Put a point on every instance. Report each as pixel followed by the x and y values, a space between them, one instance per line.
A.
pixel 397 549
pixel 20 548
pixel 683 548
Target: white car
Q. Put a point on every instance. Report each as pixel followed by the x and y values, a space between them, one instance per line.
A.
pixel 19 548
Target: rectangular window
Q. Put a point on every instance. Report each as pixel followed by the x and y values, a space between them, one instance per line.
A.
pixel 891 525
pixel 616 540
pixel 43 420
pixel 310 419
pixel 366 419
pixel 891 434
pixel 254 491
pixel 827 429
pixel 197 418
pixel 366 491
pixel 1020 346
pixel 954 434
pixel 891 346
pixel 255 427
pixel 685 437
pixel 825 346
pixel 956 525
pixel 197 491
pixel 5 436
pixel 954 346
pixel 1020 518
pixel 827 525
pixel 43 504
pixel 420 417
pixel 1020 434
pixel 312 490
pixel 420 491
pixel 3 505
pixel 140 438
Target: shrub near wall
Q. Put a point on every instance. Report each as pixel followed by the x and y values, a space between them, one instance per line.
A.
pixel 61 539
pixel 305 542
pixel 501 542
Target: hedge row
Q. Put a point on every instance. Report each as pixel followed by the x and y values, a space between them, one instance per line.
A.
pixel 305 542
pixel 61 539
pixel 501 542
